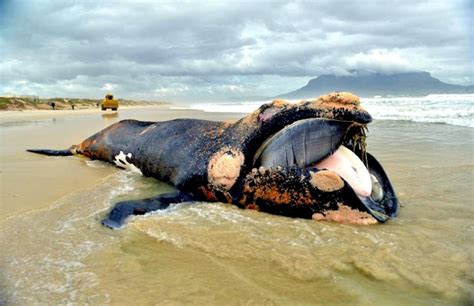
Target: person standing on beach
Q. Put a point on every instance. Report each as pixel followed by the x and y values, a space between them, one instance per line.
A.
pixel 53 105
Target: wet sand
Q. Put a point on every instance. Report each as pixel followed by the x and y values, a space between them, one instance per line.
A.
pixel 54 249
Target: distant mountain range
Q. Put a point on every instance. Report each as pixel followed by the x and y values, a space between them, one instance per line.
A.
pixel 369 85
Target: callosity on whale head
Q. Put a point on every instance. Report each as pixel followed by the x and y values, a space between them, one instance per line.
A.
pixel 304 160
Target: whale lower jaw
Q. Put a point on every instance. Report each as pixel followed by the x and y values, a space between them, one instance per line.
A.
pixel 319 144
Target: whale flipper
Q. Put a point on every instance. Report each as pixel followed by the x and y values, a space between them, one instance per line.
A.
pixel 123 210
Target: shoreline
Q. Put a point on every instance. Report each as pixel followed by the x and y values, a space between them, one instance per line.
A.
pixel 22 115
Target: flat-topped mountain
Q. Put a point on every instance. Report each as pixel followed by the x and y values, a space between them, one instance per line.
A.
pixel 376 84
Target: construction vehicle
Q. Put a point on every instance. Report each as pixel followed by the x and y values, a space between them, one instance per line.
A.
pixel 109 102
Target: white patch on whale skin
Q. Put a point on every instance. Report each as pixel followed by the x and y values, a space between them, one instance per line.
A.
pixel 151 127
pixel 121 161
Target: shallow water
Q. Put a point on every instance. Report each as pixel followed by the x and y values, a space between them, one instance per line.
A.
pixel 203 253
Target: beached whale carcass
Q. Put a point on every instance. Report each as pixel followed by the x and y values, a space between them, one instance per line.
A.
pixel 306 160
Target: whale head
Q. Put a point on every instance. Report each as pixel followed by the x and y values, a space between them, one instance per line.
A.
pixel 306 159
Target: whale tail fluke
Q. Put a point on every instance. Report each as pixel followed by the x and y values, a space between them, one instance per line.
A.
pixel 66 152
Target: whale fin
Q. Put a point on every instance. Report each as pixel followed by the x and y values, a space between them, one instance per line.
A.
pixel 51 152
pixel 123 210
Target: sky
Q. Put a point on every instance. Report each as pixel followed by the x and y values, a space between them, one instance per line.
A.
pixel 218 50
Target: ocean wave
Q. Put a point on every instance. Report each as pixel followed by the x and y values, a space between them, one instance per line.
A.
pixel 448 109
pixel 454 109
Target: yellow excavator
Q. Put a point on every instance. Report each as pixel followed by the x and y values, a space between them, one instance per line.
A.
pixel 109 102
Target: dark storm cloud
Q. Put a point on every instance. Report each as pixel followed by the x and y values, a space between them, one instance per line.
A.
pixel 188 49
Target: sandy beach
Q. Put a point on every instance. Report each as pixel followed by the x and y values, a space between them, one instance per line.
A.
pixel 23 115
pixel 55 251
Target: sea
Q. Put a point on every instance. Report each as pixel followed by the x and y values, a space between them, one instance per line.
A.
pixel 455 109
pixel 54 250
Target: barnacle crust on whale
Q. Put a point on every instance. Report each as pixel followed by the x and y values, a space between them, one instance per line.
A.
pixel 338 99
pixel 326 181
pixel 345 214
pixel 224 167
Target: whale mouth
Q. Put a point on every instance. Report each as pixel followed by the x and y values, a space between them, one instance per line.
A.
pixel 324 144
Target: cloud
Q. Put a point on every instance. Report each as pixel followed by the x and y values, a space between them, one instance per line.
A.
pixel 108 86
pixel 216 50
pixel 380 60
